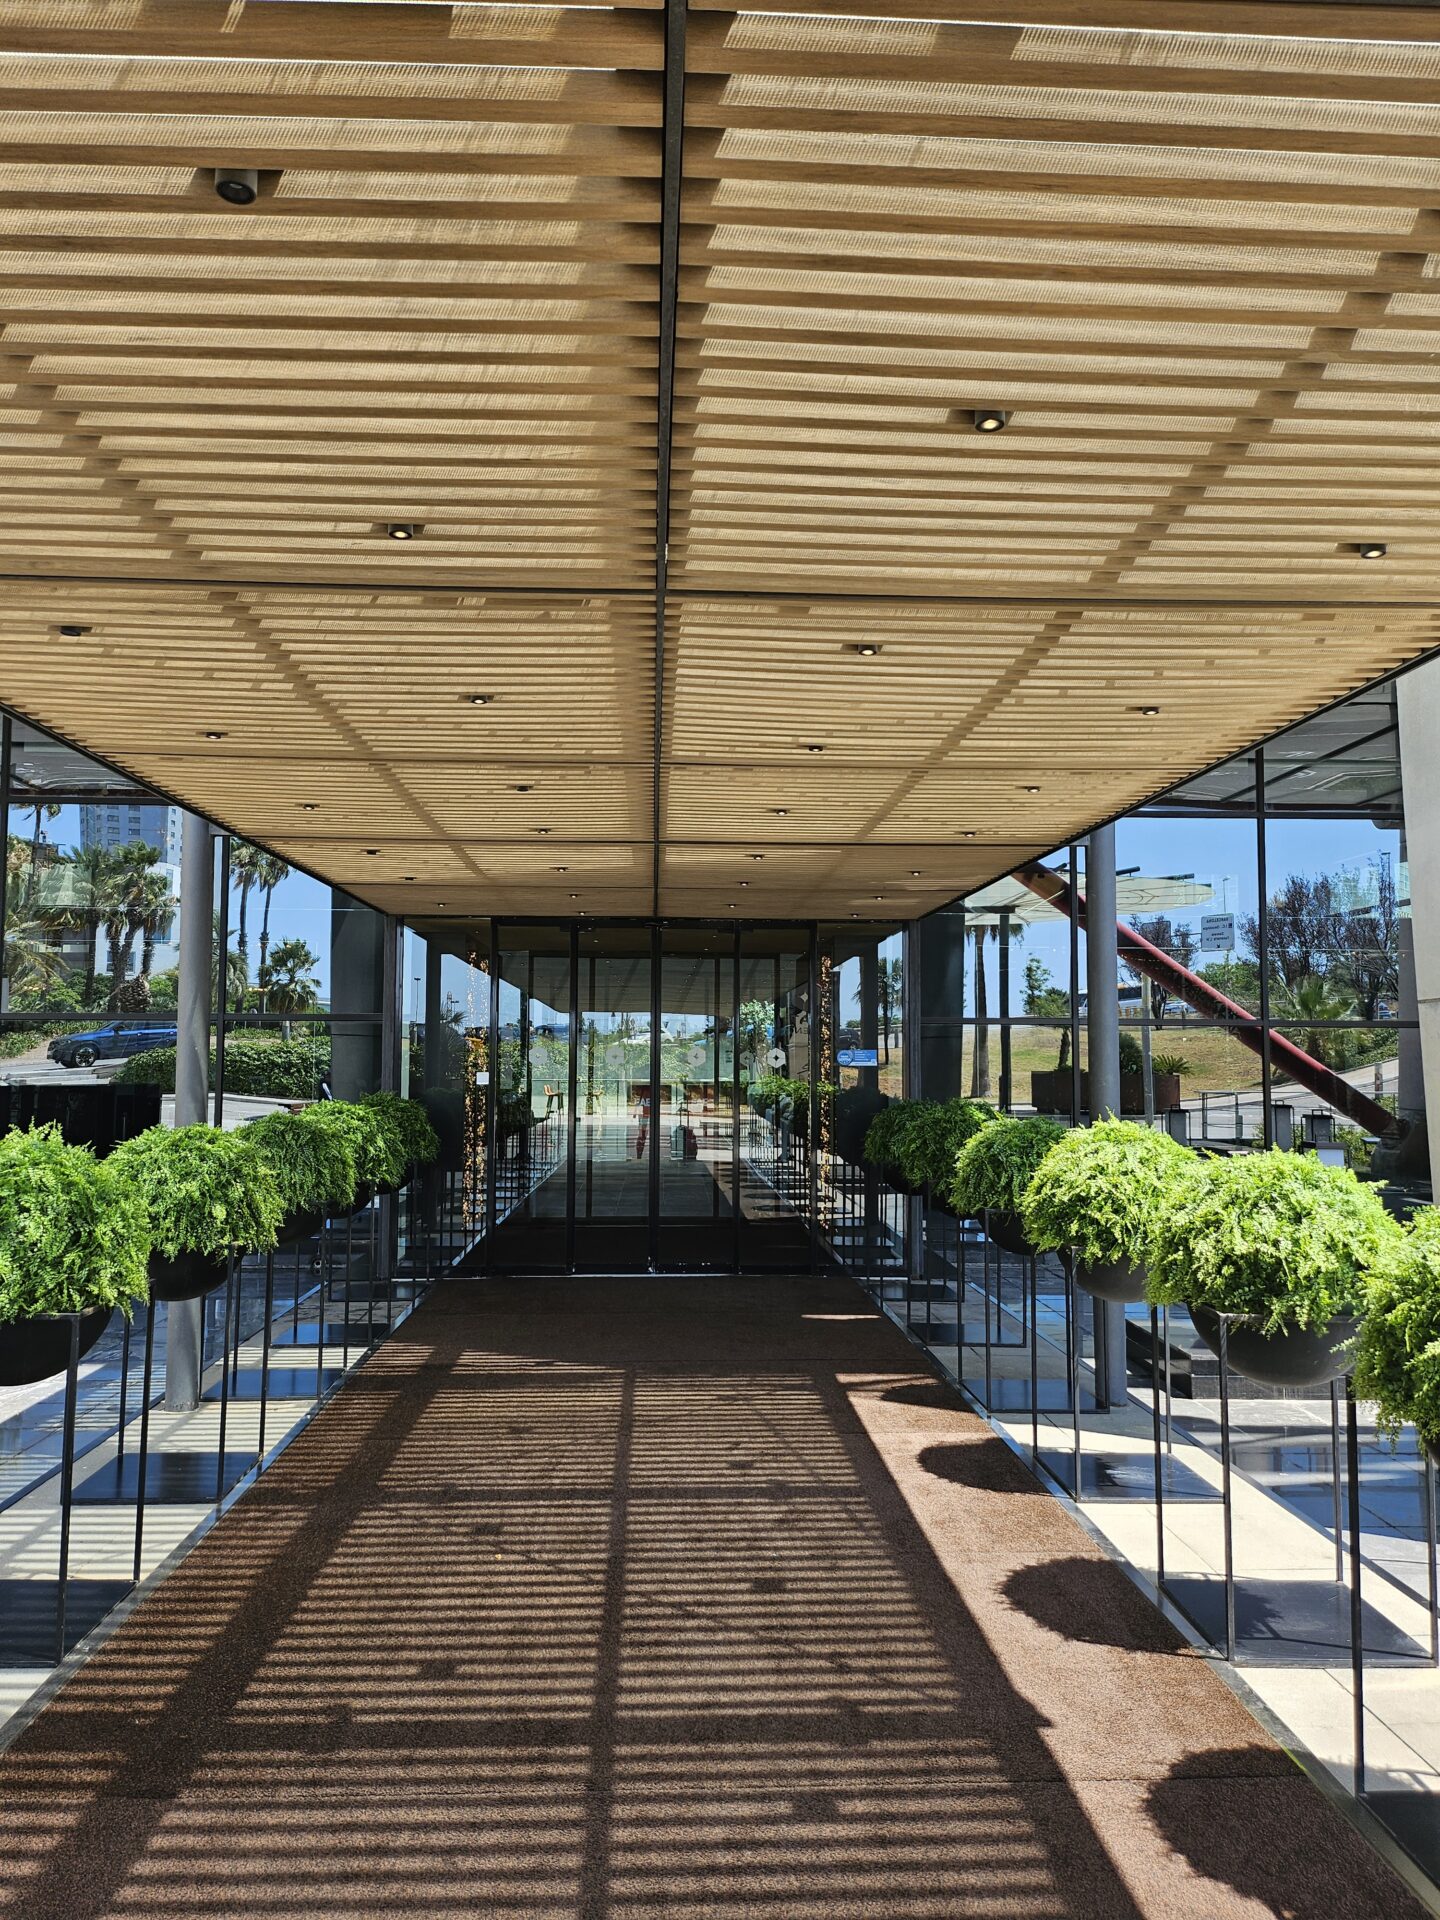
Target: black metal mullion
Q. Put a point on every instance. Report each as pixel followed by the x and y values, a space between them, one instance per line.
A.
pixel 654 1141
pixel 1262 947
pixel 735 1138
pixel 572 1099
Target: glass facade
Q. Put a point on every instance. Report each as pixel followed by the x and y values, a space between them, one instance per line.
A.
pixel 1266 973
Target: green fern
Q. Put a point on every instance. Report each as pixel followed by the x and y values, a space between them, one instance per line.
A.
pixel 73 1235
pixel 1398 1363
pixel 204 1191
pixel 1274 1236
pixel 1101 1188
pixel 993 1169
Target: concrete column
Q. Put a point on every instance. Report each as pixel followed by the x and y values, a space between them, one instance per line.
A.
pixel 357 985
pixel 1418 706
pixel 1102 972
pixel 185 1319
pixel 934 1016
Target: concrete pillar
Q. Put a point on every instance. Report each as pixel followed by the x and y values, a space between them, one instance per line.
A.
pixel 1102 974
pixel 357 985
pixel 1418 707
pixel 185 1319
pixel 934 1019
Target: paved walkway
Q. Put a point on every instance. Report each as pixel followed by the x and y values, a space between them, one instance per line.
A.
pixel 680 1599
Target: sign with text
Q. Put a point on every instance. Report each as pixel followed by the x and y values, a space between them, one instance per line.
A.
pixel 858 1057
pixel 1217 933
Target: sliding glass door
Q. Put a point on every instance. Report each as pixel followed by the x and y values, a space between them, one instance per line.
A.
pixel 651 1100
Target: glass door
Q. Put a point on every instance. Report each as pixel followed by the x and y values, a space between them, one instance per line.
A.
pixel 697 1107
pixel 614 1105
pixel 530 1163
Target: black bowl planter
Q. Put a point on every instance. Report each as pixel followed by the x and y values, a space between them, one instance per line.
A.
pixel 34 1349
pixel 1006 1232
pixel 1294 1357
pixel 298 1227
pixel 1116 1281
pixel 186 1278
pixel 364 1194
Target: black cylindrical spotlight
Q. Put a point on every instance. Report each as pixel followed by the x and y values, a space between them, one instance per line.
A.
pixel 990 419
pixel 402 530
pixel 237 186
pixel 1372 550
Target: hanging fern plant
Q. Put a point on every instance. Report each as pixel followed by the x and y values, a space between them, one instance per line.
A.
pixel 937 1130
pixel 204 1191
pixel 73 1235
pixel 1398 1364
pixel 1100 1189
pixel 313 1167
pixel 993 1169
pixel 1276 1237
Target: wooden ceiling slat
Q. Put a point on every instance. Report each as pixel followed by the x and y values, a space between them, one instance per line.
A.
pixel 1198 274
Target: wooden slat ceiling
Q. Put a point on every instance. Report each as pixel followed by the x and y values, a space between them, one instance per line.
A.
pixel 1192 247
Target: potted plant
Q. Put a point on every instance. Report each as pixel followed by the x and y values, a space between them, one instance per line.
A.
pixel 927 1146
pixel 992 1171
pixel 378 1163
pixel 1397 1363
pixel 1098 1191
pixel 206 1194
pixel 1282 1246
pixel 313 1169
pixel 408 1127
pixel 72 1241
pixel 882 1138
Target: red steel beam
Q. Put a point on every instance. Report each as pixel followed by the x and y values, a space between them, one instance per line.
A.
pixel 1144 957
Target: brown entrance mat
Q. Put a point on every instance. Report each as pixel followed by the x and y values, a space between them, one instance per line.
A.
pixel 658 1598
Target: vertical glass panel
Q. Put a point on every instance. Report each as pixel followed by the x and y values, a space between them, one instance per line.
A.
pixel 445 1064
pixel 614 1114
pixel 697 1099
pixel 531 1107
pixel 776 1045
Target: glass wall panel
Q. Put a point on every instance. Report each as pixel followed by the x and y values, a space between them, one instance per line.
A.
pixel 697 1099
pixel 776 1062
pixel 532 1098
pixel 615 1114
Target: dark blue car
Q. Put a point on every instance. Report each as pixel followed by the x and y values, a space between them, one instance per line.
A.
pixel 116 1042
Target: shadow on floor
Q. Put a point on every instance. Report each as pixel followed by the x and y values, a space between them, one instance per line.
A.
pixel 590 1601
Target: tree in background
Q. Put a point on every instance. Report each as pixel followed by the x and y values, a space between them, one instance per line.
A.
pixel 270 872
pixel 890 990
pixel 980 1059
pixel 290 985
pixel 245 863
pixel 42 811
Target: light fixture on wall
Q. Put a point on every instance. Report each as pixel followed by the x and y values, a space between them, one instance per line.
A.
pixel 968 834
pixel 814 746
pixel 1032 789
pixel 1372 550
pixel 1150 713
pixel 990 419
pixel 522 787
pixel 543 832
pixel 308 806
pixel 479 699
pixel 402 530
pixel 238 186
pixel 214 733
pixel 781 811
pixel 72 633
pixel 867 649
pixel 372 853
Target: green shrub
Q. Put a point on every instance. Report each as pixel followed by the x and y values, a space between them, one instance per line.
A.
pixel 994 1168
pixel 882 1136
pixel 314 1167
pixel 377 1158
pixel 72 1235
pixel 1100 1188
pixel 1177 1064
pixel 408 1125
pixel 1274 1236
pixel 266 1069
pixel 1398 1363
pixel 936 1131
pixel 204 1191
